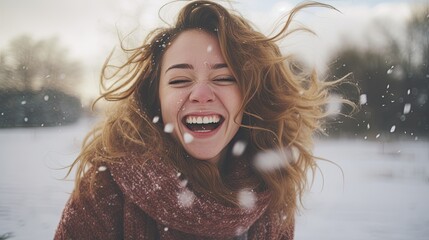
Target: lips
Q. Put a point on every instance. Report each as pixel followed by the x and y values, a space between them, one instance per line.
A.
pixel 203 123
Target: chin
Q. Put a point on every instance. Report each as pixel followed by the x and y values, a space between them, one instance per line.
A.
pixel 210 155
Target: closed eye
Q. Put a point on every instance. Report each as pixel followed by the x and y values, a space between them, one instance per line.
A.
pixel 224 81
pixel 179 82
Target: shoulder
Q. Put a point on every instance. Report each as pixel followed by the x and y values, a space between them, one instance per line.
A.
pixel 94 210
pixel 99 184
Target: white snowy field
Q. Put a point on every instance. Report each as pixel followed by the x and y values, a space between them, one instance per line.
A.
pixel 384 193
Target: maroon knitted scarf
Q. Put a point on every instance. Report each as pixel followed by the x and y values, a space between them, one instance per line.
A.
pixel 158 189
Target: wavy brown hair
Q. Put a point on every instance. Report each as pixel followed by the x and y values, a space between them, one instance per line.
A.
pixel 283 107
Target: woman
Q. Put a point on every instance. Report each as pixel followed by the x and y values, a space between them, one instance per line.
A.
pixel 210 137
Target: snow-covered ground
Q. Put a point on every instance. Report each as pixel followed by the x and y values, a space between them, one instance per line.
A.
pixel 384 193
pixel 381 190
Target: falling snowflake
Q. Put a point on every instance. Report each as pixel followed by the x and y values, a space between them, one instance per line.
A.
pixel 334 105
pixel 102 168
pixel 392 129
pixel 362 99
pixel 238 148
pixel 390 71
pixel 155 119
pixel 188 138
pixel 271 160
pixel 183 183
pixel 407 108
pixel 247 199
pixel 46 97
pixel 168 128
pixel 239 231
pixel 186 198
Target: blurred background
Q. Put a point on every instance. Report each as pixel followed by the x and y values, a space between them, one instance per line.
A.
pixel 377 183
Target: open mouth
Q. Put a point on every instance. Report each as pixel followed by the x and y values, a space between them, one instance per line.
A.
pixel 203 124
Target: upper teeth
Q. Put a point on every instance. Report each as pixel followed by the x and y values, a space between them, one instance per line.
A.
pixel 202 119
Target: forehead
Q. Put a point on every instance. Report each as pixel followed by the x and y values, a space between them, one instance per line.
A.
pixel 192 46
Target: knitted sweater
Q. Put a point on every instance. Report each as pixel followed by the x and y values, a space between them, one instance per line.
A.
pixel 137 199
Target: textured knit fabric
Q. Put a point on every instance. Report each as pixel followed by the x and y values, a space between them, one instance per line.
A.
pixel 145 198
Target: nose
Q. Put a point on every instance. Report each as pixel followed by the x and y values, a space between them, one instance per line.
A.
pixel 202 93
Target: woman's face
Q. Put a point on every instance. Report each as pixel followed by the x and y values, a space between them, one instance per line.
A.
pixel 199 96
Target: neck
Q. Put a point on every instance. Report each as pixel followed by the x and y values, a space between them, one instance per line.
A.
pixel 219 159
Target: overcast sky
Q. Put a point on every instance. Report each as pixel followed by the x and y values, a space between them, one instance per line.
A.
pixel 88 27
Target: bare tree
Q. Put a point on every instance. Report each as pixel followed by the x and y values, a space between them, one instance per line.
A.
pixel 33 65
pixel 24 55
pixel 38 84
pixel 394 81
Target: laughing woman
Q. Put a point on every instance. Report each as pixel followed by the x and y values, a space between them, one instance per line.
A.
pixel 210 137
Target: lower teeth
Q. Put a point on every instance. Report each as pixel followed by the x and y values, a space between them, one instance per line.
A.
pixel 202 131
pixel 202 128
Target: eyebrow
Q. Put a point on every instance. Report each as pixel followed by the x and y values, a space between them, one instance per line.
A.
pixel 180 66
pixel 219 65
pixel 189 66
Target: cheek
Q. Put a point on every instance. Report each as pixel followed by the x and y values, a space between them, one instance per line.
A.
pixel 171 104
pixel 234 103
pixel 167 111
pixel 166 116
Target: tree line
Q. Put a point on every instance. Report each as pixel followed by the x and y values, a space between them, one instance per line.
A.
pixel 393 83
pixel 38 83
